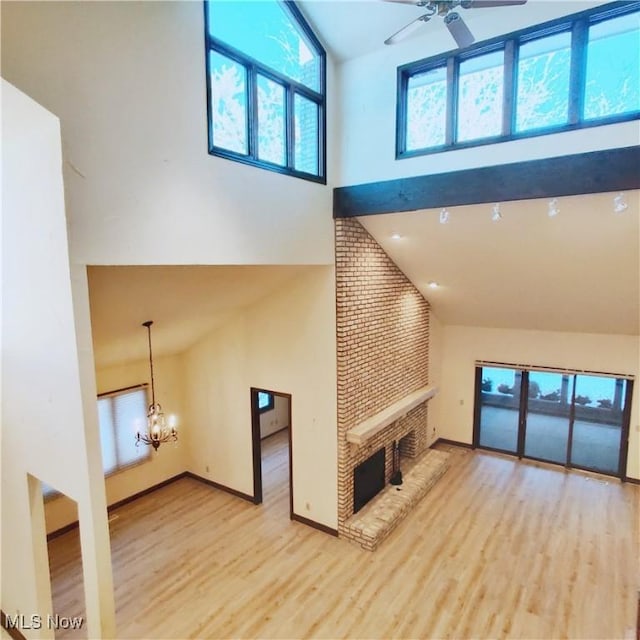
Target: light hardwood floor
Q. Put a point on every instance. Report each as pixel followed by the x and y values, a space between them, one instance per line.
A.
pixel 498 549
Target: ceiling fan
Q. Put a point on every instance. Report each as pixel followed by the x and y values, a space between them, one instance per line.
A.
pixel 452 19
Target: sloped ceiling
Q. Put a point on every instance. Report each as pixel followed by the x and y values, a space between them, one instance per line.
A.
pixel 353 28
pixel 578 271
pixel 184 302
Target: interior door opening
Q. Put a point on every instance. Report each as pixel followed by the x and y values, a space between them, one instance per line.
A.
pixel 271 429
pixel 573 419
pixel 60 580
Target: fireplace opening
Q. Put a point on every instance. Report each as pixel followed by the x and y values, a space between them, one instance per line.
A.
pixel 368 479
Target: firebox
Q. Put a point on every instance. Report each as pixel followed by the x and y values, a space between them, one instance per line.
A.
pixel 368 479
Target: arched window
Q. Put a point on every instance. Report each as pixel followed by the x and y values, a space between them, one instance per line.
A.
pixel 265 87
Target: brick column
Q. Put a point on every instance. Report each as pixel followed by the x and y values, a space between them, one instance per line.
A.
pixel 383 351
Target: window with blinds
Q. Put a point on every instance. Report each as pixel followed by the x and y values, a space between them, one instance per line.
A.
pixel 121 414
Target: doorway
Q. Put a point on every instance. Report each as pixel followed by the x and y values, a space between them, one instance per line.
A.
pixel 271 429
pixel 59 581
pixel 574 419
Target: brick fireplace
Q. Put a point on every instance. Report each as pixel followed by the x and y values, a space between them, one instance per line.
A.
pixel 383 355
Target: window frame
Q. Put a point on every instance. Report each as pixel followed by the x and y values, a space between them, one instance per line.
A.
pixel 145 455
pixel 577 24
pixel 524 399
pixel 254 68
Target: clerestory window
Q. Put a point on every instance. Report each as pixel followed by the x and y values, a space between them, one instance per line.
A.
pixel 579 71
pixel 265 87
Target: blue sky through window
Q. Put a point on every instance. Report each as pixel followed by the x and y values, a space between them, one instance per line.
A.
pixel 264 31
pixel 271 135
pixel 266 87
pixel 426 109
pixel 480 90
pixel 543 82
pixel 613 67
pixel 541 59
pixel 228 103
pixel 306 134
pixel 593 387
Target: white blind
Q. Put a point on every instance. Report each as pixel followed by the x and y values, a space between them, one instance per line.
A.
pixel 121 415
pixel 107 435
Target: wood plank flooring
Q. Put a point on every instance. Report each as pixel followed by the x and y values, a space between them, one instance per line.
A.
pixel 498 549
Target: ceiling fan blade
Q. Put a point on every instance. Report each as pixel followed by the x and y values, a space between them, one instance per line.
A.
pixel 418 3
pixel 483 4
pixel 459 30
pixel 407 29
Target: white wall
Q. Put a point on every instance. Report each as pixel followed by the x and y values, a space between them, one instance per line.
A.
pixel 127 80
pixel 593 352
pixel 45 422
pixel 436 338
pixel 275 419
pixel 170 459
pixel 291 351
pixel 368 109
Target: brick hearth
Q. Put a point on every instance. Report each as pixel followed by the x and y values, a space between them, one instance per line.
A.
pixel 377 519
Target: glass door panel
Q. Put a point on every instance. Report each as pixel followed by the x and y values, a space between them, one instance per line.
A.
pixel 499 408
pixel 597 428
pixel 548 416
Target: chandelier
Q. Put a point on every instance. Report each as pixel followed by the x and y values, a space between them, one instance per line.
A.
pixel 158 431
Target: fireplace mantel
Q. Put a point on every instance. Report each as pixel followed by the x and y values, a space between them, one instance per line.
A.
pixel 376 423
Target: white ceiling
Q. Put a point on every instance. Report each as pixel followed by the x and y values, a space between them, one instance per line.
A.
pixel 353 28
pixel 184 302
pixel 578 271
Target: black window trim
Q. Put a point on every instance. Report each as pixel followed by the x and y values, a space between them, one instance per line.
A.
pixel 577 24
pixel 292 87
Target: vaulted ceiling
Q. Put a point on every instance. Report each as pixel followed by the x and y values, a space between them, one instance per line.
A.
pixel 184 302
pixel 353 28
pixel 578 271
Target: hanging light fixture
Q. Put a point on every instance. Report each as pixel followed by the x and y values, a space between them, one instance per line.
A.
pixel 158 431
pixel 496 216
pixel 552 208
pixel 444 216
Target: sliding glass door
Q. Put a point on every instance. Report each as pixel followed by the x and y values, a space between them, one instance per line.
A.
pixel 548 416
pixel 572 419
pixel 498 409
pixel 598 424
